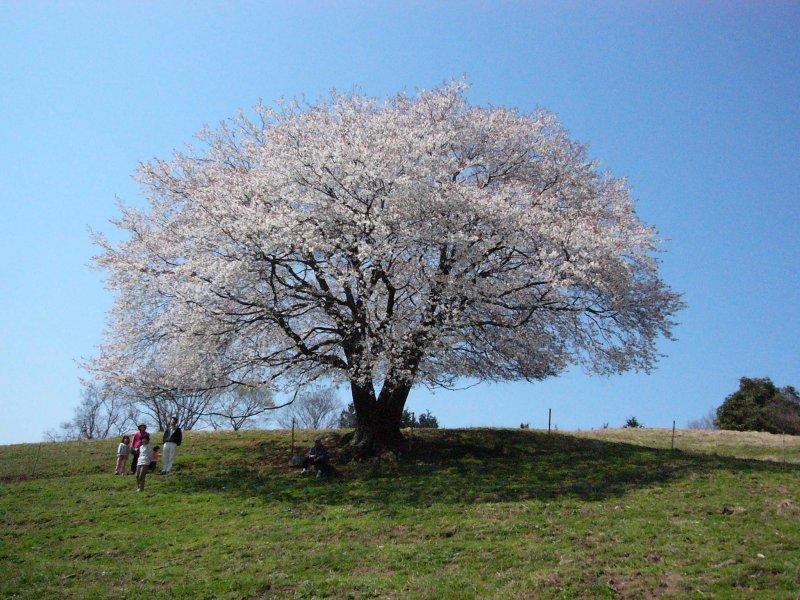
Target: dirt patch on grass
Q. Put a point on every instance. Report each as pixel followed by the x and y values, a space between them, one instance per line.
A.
pixel 639 585
pixel 671 584
pixel 732 510
pixel 786 508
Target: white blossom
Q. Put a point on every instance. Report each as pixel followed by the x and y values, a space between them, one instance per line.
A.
pixel 414 240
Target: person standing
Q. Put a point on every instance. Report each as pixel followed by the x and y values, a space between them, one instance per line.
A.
pixel 143 464
pixel 137 441
pixel 172 439
pixel 123 450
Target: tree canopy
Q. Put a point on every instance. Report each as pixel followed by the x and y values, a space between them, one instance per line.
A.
pixel 759 405
pixel 385 244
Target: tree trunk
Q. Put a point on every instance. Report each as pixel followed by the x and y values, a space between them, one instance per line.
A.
pixel 378 418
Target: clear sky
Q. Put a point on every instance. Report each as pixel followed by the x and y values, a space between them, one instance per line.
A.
pixel 697 103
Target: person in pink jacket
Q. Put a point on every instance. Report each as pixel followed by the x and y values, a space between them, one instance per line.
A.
pixel 135 444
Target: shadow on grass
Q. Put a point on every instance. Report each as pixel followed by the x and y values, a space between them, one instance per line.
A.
pixel 466 466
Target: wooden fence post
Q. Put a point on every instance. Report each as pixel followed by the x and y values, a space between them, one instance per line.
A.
pixel 292 437
pixel 549 418
pixel 673 435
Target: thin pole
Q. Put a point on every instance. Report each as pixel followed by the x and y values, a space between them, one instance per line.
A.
pixel 36 460
pixel 673 435
pixel 292 436
pixel 549 418
pixel 783 444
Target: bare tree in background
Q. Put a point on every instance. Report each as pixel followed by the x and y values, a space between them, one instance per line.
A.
pixel 99 415
pixel 317 408
pixel 241 406
pixel 706 422
pixel 233 406
pixel 189 407
pixel 155 404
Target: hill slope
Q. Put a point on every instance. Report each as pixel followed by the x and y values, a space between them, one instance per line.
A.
pixel 469 514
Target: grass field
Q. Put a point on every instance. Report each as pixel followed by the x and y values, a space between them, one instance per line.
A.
pixel 467 514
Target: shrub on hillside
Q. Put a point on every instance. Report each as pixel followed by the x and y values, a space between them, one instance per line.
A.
pixel 632 423
pixel 759 405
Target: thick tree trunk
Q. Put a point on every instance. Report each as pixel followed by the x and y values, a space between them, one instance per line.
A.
pixel 378 418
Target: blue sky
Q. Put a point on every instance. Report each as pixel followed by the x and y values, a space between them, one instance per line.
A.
pixel 697 103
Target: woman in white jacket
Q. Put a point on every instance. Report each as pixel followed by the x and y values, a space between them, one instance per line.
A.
pixel 143 465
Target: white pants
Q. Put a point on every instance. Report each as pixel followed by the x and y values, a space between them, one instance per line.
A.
pixel 169 455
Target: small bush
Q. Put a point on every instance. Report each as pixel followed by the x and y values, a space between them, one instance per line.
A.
pixel 633 423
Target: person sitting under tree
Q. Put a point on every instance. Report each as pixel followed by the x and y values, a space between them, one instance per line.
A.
pixel 317 457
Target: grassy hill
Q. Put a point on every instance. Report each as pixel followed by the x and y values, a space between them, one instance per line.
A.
pixel 469 514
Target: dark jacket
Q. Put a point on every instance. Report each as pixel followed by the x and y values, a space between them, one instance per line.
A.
pixel 173 435
pixel 318 454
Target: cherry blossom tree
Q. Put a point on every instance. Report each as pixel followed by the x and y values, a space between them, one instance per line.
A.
pixel 381 244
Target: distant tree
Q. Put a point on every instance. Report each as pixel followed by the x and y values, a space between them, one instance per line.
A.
pixel 632 423
pixel 759 405
pixel 240 406
pixel 99 415
pixel 427 421
pixel 408 420
pixel 160 404
pixel 315 409
pixel 705 422
pixel 347 418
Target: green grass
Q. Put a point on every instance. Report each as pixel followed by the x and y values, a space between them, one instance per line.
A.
pixel 468 514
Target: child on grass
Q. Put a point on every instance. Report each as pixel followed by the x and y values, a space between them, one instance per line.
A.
pixel 143 464
pixel 123 451
pixel 156 456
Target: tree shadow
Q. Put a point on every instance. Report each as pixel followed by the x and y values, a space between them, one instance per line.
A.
pixel 467 466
